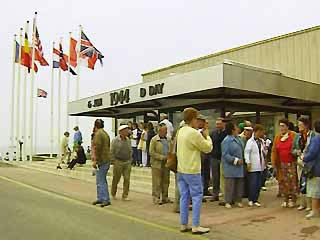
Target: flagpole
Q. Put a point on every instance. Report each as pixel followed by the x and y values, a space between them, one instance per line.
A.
pixel 32 87
pixel 18 98
pixel 24 113
pixel 59 105
pixel 36 124
pixel 12 137
pixel 78 70
pixel 51 111
pixel 68 84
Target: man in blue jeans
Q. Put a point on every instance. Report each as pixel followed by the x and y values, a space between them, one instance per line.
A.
pixel 101 162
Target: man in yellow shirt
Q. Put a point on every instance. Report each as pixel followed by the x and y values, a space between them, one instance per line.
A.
pixel 65 153
pixel 190 144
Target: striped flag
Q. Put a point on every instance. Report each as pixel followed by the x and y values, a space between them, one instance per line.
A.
pixel 39 51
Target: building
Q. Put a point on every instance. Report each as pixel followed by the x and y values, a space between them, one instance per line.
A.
pixel 273 78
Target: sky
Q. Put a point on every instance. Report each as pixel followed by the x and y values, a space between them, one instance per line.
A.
pixel 135 37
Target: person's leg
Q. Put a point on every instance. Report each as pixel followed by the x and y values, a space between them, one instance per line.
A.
pixel 206 176
pixel 228 190
pixel 258 186
pixel 196 191
pixel 126 171
pixel 177 195
pixel 238 189
pixel 165 184
pixel 117 169
pixel 264 177
pixel 139 157
pixel 144 158
pixel 184 199
pixel 102 184
pixel 72 163
pixel 215 169
pixel 156 188
pixel 252 186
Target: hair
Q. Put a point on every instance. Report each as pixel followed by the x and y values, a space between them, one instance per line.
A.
pixel 76 128
pixel 66 133
pixel 258 127
pixel 189 114
pixel 317 126
pixel 284 121
pixel 305 122
pixel 135 124
pixel 145 126
pixel 150 126
pixel 162 125
pixel 230 126
pixel 220 119
pixel 292 127
pixel 99 123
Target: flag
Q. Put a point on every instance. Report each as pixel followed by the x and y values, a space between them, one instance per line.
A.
pixel 25 57
pixel 38 50
pixel 42 93
pixel 25 53
pixel 73 52
pixel 61 60
pixel 88 53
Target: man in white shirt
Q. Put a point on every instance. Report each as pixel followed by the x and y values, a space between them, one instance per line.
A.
pixel 65 152
pixel 164 119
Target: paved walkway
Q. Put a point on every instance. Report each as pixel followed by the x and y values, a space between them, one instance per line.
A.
pixel 267 222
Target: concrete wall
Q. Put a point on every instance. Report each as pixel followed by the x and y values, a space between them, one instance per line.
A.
pixel 295 55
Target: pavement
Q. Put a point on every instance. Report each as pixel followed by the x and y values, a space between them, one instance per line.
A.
pixel 39 203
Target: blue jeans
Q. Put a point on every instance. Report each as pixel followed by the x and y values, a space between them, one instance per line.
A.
pixel 102 183
pixel 134 155
pixel 255 184
pixel 190 185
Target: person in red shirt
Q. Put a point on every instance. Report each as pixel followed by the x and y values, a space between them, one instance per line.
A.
pixel 285 164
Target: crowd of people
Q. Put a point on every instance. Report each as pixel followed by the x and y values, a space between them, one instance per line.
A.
pixel 235 159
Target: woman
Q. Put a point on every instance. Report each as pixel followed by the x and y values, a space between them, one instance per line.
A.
pixel 233 168
pixel 312 158
pixel 150 135
pixel 142 145
pixel 285 164
pixel 190 144
pixel 80 157
pixel 300 147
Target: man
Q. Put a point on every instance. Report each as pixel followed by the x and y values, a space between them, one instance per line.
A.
pixel 205 162
pixel 217 136
pixel 164 119
pixel 254 158
pixel 134 145
pixel 139 134
pixel 101 162
pixel 64 148
pixel 121 155
pixel 77 138
pixel 159 150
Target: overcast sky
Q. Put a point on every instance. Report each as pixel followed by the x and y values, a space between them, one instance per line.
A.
pixel 137 37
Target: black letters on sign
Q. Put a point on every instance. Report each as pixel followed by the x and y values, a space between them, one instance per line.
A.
pixel 157 89
pixel 120 97
pixel 143 92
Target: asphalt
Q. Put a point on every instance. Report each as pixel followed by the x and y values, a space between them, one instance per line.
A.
pixel 28 213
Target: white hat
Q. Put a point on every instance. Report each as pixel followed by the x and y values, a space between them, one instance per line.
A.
pixel 123 127
pixel 248 128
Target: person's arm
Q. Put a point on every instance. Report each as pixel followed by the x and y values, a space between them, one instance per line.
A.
pixel 226 154
pixel 274 154
pixel 112 150
pixel 98 143
pixel 153 152
pixel 313 151
pixel 247 152
pixel 203 144
pixel 295 150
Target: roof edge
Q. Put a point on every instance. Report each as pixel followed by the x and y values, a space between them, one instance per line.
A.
pixel 234 49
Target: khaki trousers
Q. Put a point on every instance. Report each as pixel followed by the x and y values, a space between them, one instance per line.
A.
pixel 160 182
pixel 121 168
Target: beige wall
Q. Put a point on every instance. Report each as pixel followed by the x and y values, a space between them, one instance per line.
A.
pixel 295 55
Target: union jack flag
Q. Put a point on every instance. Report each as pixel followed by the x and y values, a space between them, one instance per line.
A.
pixel 89 52
pixel 42 93
pixel 39 51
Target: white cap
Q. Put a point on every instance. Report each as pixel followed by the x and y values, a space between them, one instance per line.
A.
pixel 123 127
pixel 248 128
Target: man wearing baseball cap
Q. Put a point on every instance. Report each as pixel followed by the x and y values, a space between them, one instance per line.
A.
pixel 121 156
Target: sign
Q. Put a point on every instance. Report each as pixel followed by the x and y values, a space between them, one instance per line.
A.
pixel 96 103
pixel 121 97
pixel 152 90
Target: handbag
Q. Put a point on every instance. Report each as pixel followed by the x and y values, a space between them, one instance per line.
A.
pixel 172 161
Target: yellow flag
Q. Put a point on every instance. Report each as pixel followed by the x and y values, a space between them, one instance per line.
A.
pixel 26 44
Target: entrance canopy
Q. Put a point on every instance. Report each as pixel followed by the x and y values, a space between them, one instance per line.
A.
pixel 230 86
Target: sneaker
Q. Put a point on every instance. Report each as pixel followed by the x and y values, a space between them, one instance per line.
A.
pixel 300 208
pixel 284 205
pixel 312 215
pixel 239 205
pixel 308 209
pixel 250 204
pixel 200 230
pixel 264 189
pixel 165 201
pixel 97 202
pixel 185 228
pixel 126 199
pixel 105 204
pixel 257 204
pixel 228 206
pixel 291 204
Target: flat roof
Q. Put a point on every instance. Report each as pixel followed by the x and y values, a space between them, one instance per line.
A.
pixel 230 85
pixel 234 49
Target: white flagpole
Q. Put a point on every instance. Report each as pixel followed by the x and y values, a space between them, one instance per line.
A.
pixel 36 124
pixel 68 85
pixel 51 111
pixel 59 106
pixel 32 86
pixel 18 99
pixel 12 137
pixel 78 70
pixel 24 113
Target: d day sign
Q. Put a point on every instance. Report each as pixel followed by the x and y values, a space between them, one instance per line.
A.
pixel 123 96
